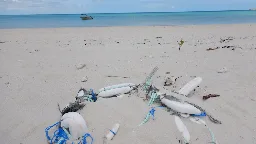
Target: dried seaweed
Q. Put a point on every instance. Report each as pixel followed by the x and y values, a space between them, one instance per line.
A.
pixel 209 49
pixel 226 39
pixel 72 107
pixel 118 76
pixel 209 96
pixel 181 42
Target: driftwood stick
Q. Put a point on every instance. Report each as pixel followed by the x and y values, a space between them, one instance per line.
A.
pixel 209 96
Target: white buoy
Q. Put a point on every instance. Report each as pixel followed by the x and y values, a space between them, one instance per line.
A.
pixel 112 132
pixel 115 89
pixel 180 107
pixel 201 121
pixel 80 93
pixel 190 86
pixel 184 115
pixel 182 128
pixel 75 123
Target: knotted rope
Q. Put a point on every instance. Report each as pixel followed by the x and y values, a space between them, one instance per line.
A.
pixel 61 136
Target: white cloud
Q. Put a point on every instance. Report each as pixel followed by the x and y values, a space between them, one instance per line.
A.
pixel 43 6
pixel 154 5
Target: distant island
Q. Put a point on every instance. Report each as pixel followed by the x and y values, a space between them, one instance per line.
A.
pixel 253 9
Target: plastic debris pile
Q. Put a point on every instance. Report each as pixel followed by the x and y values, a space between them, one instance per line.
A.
pixel 70 129
pixel 176 102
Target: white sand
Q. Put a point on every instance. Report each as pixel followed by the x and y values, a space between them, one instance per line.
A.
pixel 38 70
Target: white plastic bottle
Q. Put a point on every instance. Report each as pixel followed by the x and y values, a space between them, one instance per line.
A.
pixel 112 132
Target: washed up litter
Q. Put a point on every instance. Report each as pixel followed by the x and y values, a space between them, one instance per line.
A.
pixel 80 66
pixel 180 107
pixel 147 83
pixel 183 129
pixel 190 86
pixel 150 113
pixel 209 96
pixel 72 128
pixel 200 121
pixel 84 79
pixel 169 81
pixel 75 123
pixel 112 132
pixel 72 107
pixel 223 70
pixel 84 94
pixel 114 90
pixel 176 102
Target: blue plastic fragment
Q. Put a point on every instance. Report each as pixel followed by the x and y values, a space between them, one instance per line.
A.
pixel 152 112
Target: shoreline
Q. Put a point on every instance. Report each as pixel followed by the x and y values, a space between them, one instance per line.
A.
pixel 157 26
pixel 126 19
pixel 129 12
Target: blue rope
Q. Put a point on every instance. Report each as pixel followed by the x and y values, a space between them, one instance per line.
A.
pixel 153 97
pixel 199 115
pixel 150 113
pixel 94 98
pixel 212 135
pixel 47 129
pixel 60 136
pixel 84 138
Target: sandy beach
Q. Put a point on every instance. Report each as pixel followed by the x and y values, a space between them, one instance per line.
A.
pixel 38 70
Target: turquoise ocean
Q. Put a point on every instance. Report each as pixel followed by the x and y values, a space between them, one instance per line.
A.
pixel 127 19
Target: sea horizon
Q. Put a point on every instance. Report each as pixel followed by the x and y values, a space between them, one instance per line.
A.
pixel 128 19
pixel 120 12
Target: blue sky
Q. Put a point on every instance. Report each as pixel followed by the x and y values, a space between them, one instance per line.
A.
pixel 116 6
